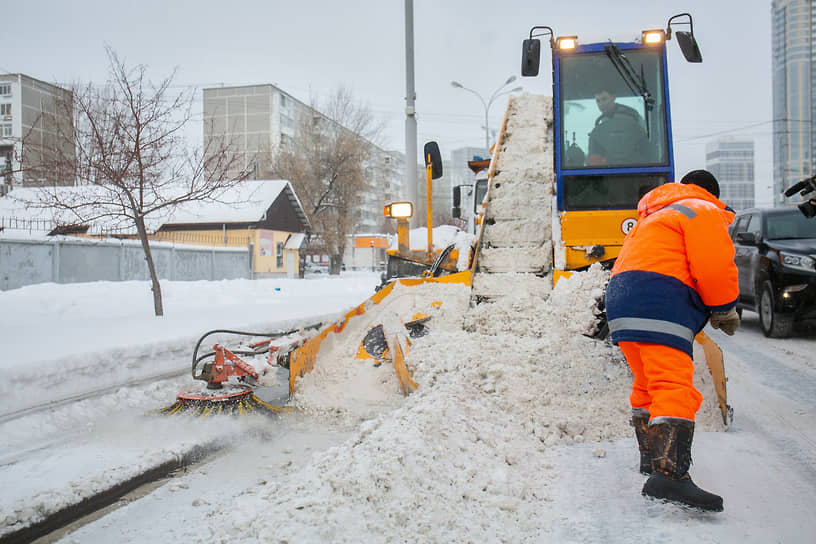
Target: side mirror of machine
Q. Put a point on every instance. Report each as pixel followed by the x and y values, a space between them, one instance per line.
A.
pixel 688 45
pixel 530 57
pixel 457 196
pixel 433 158
pixel 746 238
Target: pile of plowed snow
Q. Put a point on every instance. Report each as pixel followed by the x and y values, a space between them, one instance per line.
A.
pixel 498 386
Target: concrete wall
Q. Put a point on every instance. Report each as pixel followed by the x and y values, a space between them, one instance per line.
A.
pixel 67 260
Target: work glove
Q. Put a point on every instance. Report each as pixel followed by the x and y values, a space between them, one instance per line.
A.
pixel 725 321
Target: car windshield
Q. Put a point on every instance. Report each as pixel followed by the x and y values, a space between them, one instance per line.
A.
pixel 789 225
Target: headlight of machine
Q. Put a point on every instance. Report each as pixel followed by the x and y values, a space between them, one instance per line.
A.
pixel 799 262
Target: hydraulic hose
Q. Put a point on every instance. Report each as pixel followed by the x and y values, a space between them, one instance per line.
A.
pixel 271 335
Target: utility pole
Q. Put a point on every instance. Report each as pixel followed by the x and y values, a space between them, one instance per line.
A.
pixel 410 108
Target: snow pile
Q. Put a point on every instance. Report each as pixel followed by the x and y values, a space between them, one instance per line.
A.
pixel 351 390
pixel 491 401
pixel 541 313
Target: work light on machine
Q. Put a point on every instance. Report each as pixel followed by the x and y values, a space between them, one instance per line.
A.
pixel 653 37
pixel 399 210
pixel 566 43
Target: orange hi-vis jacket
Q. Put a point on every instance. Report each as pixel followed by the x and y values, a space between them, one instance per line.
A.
pixel 675 268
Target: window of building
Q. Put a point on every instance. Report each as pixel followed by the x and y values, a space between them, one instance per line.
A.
pixel 279 254
pixel 5 89
pixel 286 121
pixel 5 110
pixel 5 129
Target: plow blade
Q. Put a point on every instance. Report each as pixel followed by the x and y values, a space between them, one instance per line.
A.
pixel 716 366
pixel 407 383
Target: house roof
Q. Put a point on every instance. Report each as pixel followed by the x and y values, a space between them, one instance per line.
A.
pixel 295 241
pixel 246 202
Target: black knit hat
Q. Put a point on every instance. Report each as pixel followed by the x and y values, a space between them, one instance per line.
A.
pixel 704 179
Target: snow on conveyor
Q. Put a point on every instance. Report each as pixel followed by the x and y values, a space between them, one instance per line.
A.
pixel 516 245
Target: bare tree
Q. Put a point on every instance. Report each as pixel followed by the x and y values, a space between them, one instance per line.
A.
pixel 130 150
pixel 326 163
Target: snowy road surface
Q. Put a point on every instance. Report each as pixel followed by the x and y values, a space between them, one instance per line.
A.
pixel 456 462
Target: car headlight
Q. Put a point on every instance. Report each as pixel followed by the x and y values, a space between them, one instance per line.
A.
pixel 800 262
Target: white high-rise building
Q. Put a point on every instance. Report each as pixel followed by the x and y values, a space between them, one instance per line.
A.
pixel 793 33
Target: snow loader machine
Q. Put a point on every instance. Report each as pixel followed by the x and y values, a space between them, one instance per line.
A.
pixel 611 144
pixel 555 201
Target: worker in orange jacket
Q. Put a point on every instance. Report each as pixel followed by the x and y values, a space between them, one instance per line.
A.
pixel 675 271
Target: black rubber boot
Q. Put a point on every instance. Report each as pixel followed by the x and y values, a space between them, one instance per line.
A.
pixel 640 421
pixel 670 447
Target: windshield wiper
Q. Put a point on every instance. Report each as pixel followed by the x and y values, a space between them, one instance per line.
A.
pixel 636 82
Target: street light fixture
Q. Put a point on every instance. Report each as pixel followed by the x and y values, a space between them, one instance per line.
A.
pixel 497 93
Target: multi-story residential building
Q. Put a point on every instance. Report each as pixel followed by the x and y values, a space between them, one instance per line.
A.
pixel 732 162
pixel 794 93
pixel 255 120
pixel 35 124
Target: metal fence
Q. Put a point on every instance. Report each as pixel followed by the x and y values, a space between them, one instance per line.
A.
pixel 73 260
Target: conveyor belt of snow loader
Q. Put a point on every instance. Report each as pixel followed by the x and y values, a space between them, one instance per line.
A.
pixel 515 245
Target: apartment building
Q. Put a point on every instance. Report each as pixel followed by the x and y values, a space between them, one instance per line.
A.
pixel 255 120
pixel 35 118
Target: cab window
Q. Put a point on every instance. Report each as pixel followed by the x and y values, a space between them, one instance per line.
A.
pixel 606 120
pixel 621 191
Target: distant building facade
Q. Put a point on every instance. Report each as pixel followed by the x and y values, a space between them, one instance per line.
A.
pixel 35 118
pixel 461 174
pixel 256 120
pixel 794 93
pixel 732 163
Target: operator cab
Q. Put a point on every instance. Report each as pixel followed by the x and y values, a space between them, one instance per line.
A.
pixel 612 134
pixel 611 111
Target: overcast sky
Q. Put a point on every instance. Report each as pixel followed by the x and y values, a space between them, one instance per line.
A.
pixel 309 48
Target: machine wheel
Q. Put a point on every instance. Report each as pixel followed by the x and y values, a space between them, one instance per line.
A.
pixel 773 323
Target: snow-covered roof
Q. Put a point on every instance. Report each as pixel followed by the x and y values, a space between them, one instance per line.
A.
pixel 295 241
pixel 246 202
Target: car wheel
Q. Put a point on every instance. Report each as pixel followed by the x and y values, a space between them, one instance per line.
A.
pixel 773 323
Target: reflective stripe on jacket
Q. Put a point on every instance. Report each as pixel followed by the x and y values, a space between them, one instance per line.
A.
pixel 676 266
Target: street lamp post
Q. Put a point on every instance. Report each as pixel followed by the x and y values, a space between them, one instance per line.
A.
pixel 497 93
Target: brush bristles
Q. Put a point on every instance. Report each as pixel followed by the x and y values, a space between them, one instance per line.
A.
pixel 246 405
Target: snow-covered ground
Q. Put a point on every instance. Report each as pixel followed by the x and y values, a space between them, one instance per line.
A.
pixel 518 431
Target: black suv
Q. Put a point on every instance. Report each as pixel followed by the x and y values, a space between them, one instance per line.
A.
pixel 776 258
